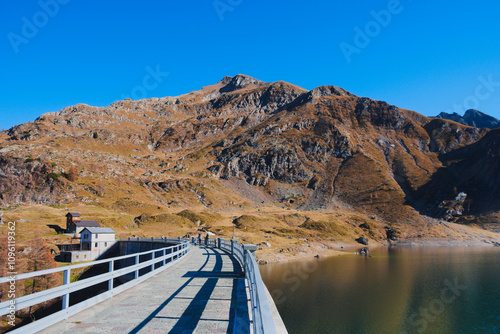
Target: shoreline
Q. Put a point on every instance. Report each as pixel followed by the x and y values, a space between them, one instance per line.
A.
pixel 443 243
pixel 270 256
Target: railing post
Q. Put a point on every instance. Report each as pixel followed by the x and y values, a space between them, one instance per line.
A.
pixel 233 241
pixel 136 273
pixel 218 243
pixel 164 253
pixel 152 258
pixel 66 280
pixel 245 260
pixel 251 252
pixel 111 268
pixel 251 248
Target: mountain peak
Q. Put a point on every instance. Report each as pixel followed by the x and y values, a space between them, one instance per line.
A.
pixel 329 91
pixel 227 79
pixel 238 82
pixel 473 117
pixel 474 113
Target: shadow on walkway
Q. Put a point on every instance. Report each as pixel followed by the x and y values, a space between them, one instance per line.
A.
pixel 239 321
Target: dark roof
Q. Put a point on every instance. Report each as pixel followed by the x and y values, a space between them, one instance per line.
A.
pixel 99 230
pixel 73 214
pixel 87 223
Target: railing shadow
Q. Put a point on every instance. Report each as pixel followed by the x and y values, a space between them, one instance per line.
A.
pixel 238 314
pixel 167 301
pixel 192 315
pixel 239 321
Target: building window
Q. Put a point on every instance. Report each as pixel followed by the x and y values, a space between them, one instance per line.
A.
pixel 105 244
pixel 96 244
pixel 97 236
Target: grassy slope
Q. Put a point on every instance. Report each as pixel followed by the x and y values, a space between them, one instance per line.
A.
pixel 290 233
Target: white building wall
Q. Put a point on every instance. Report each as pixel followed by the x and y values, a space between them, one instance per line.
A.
pixel 99 243
pixel 81 256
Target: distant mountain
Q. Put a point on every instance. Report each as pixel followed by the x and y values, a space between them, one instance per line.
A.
pixel 473 118
pixel 245 143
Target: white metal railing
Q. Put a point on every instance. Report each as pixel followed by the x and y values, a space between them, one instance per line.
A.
pixel 225 245
pixel 263 321
pixel 167 257
pixel 159 240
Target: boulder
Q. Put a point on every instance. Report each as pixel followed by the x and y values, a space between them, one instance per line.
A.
pixel 362 240
pixel 364 251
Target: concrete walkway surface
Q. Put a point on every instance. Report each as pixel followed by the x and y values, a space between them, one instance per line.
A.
pixel 204 293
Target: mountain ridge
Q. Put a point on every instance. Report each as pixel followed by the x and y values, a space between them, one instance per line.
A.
pixel 304 150
pixel 473 117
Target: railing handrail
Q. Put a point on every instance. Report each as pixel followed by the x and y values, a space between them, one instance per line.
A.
pixel 181 240
pixel 263 321
pixel 90 263
pixel 179 250
pixel 44 295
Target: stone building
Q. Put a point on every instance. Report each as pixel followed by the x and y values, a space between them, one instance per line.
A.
pixel 74 223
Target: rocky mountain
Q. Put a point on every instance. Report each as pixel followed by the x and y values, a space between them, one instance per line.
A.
pixel 474 170
pixel 473 118
pixel 245 143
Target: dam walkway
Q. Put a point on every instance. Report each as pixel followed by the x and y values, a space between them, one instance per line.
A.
pixel 205 293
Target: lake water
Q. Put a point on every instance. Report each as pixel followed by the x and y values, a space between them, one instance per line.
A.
pixel 394 291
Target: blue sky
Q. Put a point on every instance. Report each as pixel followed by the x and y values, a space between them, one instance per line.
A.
pixel 420 55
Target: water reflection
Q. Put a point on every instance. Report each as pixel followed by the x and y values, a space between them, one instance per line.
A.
pixel 395 291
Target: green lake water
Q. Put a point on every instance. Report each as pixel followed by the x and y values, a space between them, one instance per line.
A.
pixel 394 291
